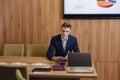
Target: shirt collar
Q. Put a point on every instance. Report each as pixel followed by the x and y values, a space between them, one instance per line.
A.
pixel 64 39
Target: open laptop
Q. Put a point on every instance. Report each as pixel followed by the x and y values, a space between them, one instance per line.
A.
pixel 79 62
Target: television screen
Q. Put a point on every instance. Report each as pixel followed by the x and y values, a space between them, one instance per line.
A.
pixel 91 8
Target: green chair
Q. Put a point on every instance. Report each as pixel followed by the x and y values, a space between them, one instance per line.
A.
pixel 36 50
pixel 13 49
pixel 8 72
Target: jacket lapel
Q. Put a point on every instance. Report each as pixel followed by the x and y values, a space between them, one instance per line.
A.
pixel 60 45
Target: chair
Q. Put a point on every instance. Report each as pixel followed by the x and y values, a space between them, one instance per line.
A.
pixel 8 72
pixel 19 75
pixel 13 49
pixel 36 50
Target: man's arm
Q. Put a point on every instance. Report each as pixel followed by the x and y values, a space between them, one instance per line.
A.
pixel 75 47
pixel 50 52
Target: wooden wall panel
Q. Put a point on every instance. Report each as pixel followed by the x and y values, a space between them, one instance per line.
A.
pixel 1 29
pixel 36 21
pixel 109 71
pixel 119 71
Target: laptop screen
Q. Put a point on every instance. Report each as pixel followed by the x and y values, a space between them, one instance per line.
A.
pixel 79 60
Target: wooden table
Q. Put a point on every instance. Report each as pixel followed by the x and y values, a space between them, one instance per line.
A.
pixel 56 75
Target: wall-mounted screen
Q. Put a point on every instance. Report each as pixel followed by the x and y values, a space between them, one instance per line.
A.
pixel 91 9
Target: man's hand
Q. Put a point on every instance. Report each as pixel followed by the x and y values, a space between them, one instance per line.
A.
pixel 58 59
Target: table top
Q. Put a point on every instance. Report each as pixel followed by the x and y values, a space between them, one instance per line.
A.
pixel 32 61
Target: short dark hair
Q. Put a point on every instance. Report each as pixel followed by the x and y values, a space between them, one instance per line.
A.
pixel 66 25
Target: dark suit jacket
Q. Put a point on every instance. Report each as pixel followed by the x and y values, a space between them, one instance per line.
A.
pixel 57 47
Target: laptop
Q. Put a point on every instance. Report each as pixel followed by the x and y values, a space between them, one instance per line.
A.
pixel 79 62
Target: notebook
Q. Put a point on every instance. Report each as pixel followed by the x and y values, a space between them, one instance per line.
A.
pixel 79 62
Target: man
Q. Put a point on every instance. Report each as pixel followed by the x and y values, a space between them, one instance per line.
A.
pixel 62 44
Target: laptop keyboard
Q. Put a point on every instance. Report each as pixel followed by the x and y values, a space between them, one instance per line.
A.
pixel 80 69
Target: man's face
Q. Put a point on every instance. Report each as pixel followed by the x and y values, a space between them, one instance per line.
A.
pixel 65 32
